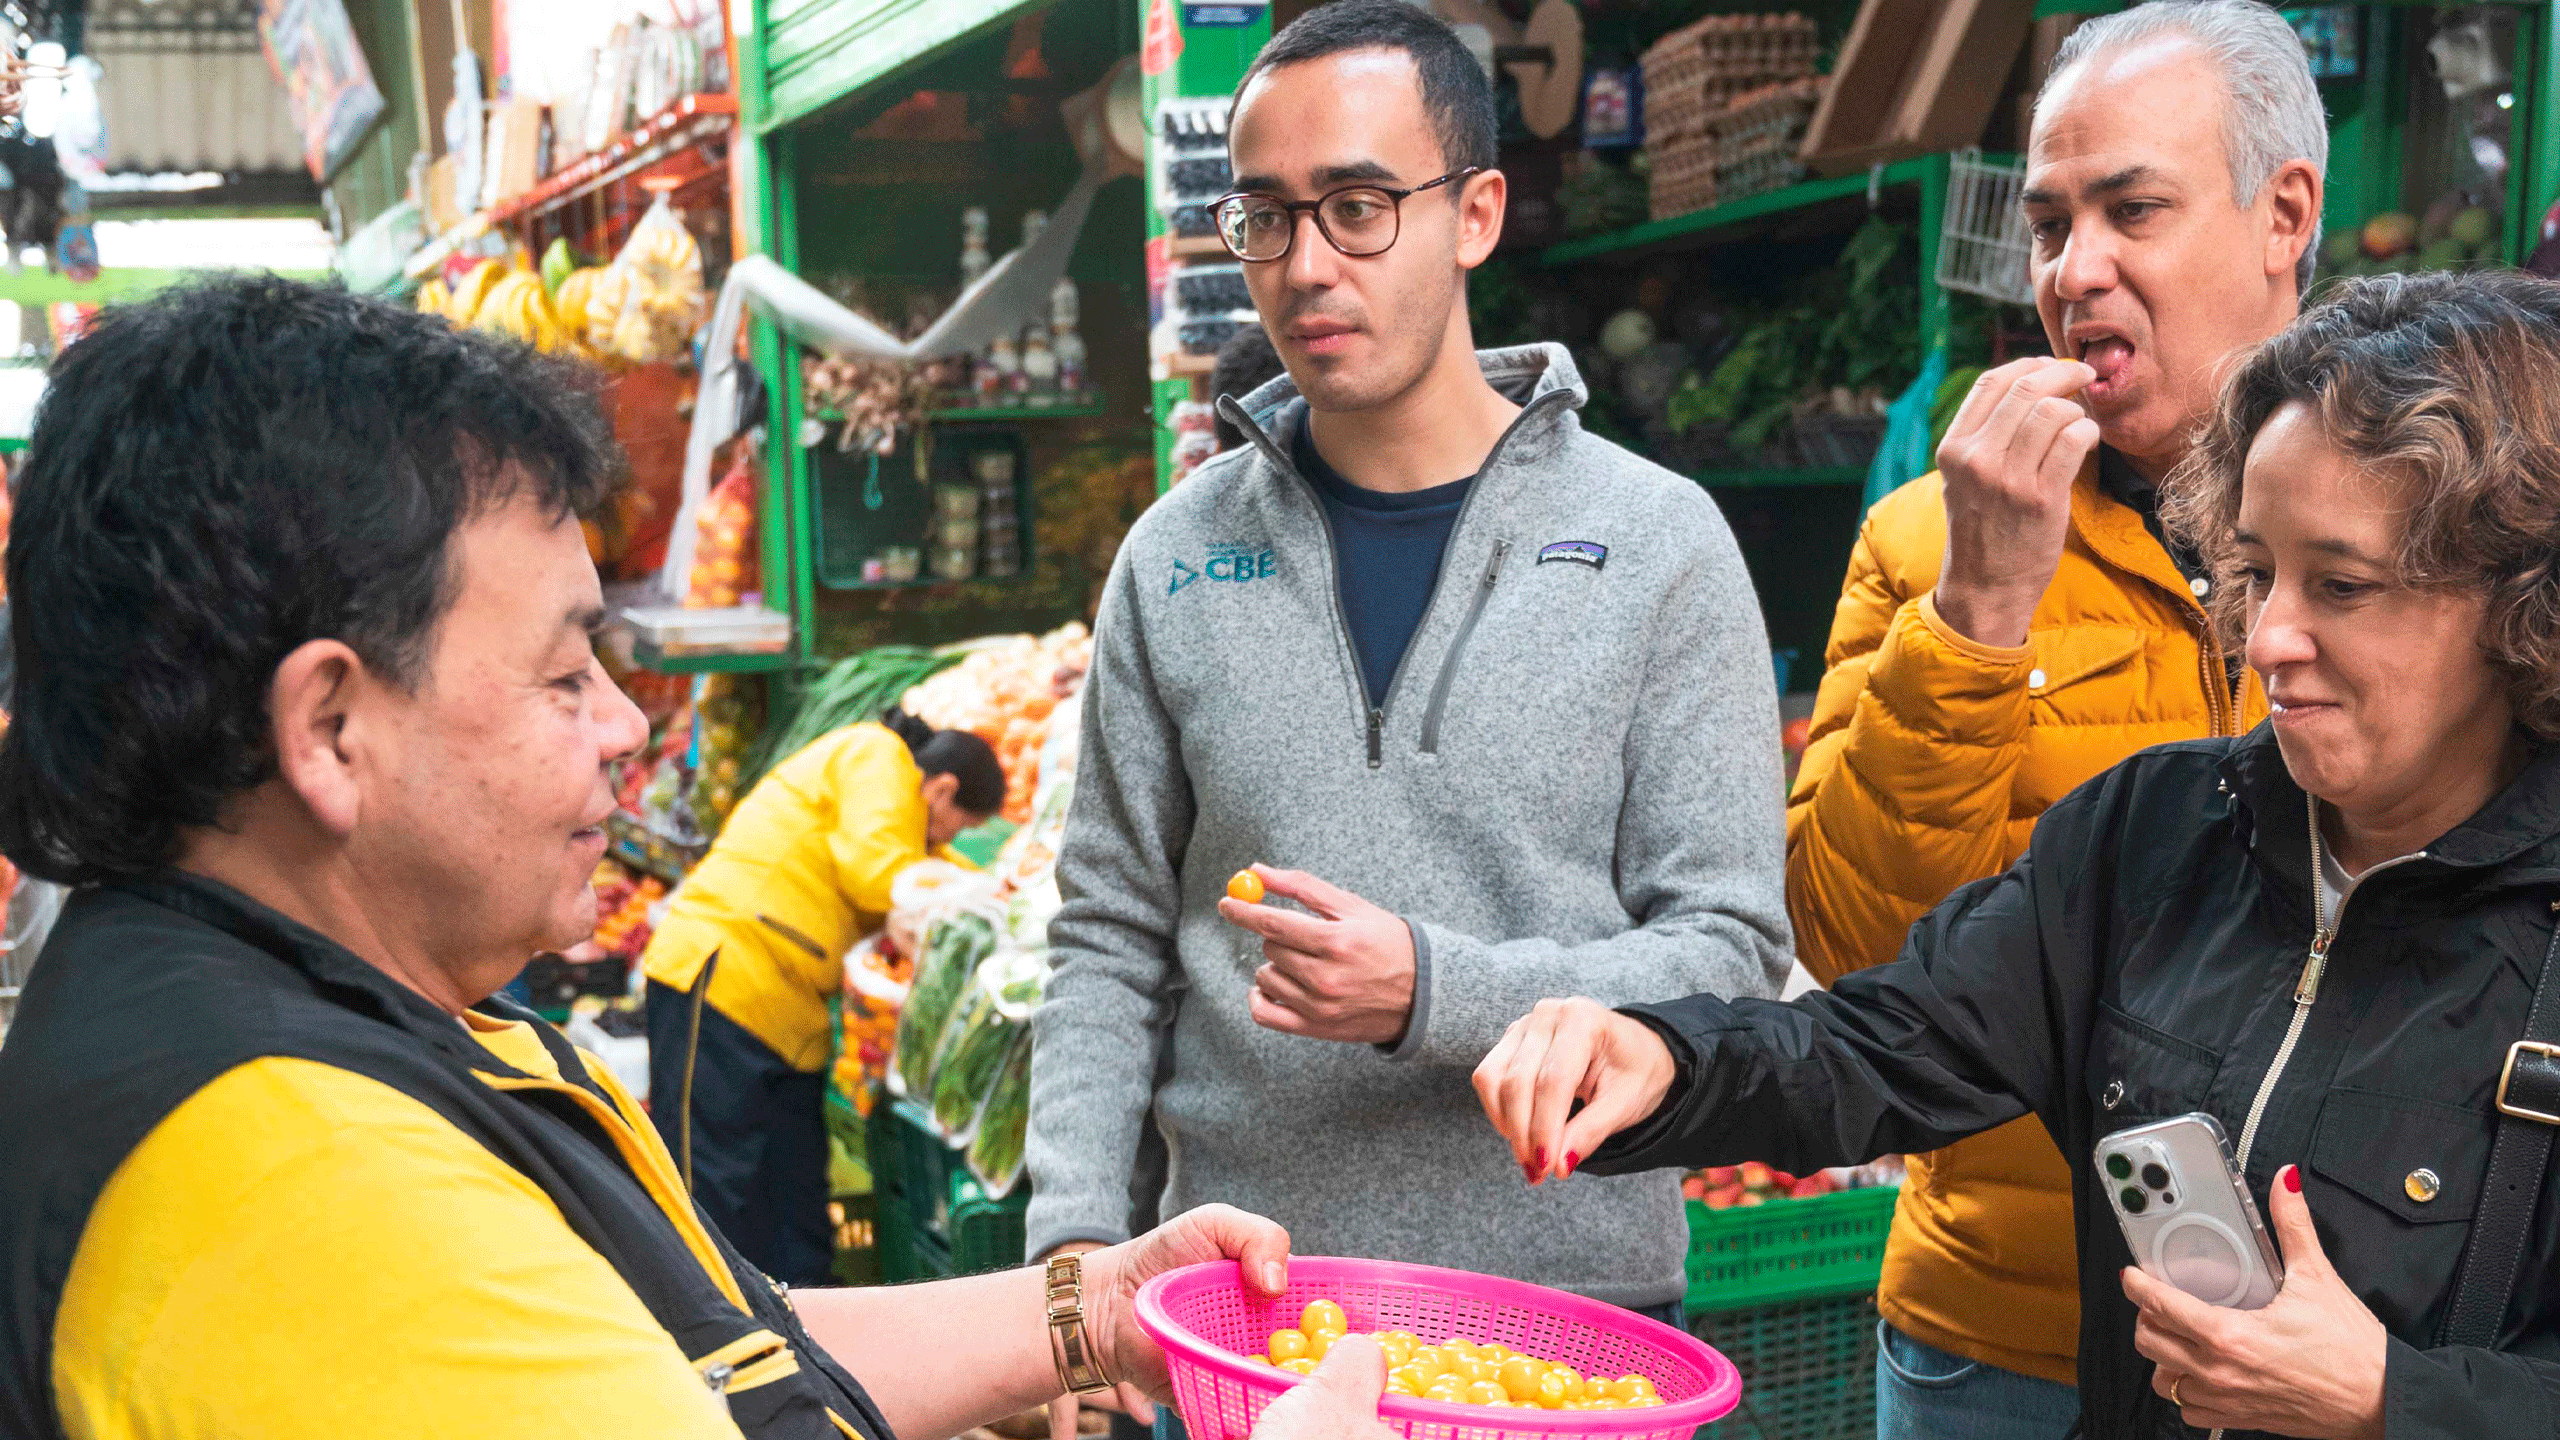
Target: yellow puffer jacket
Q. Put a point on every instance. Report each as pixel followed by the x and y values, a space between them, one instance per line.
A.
pixel 800 872
pixel 1929 761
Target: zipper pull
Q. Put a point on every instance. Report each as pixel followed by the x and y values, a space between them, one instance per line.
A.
pixel 2307 989
pixel 716 1380
pixel 1501 548
pixel 1377 738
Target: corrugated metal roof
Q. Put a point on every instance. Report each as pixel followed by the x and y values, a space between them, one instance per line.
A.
pixel 187 88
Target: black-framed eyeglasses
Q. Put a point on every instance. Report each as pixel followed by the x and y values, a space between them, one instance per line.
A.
pixel 1358 220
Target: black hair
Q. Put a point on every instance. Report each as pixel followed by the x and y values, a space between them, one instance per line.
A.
pixel 218 475
pixel 1245 364
pixel 1455 93
pixel 956 753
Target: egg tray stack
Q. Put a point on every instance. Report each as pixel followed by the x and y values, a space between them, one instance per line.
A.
pixel 1692 76
pixel 1757 136
pixel 1192 156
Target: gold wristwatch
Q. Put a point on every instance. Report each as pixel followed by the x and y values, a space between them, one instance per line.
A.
pixel 1078 1369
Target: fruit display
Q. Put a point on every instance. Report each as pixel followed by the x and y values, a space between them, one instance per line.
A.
pixel 724 718
pixel 954 947
pixel 516 306
pixel 2457 231
pixel 851 692
pixel 463 299
pixel 624 907
pixel 1457 1370
pixel 659 300
pixel 1731 1187
pixel 1004 695
pixel 725 564
pixel 876 976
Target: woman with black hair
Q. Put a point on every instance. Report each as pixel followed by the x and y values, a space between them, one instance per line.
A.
pixel 741 970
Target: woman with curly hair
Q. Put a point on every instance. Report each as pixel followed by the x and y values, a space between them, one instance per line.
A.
pixel 2334 934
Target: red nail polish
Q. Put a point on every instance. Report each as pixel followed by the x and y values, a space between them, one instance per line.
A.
pixel 1538 1158
pixel 1529 1173
pixel 1570 1160
pixel 2293 1178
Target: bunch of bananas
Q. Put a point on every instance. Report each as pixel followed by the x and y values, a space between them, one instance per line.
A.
pixel 462 304
pixel 516 306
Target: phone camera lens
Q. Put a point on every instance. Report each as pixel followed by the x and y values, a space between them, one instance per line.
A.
pixel 2135 1202
pixel 2156 1176
pixel 2168 1199
pixel 2119 1167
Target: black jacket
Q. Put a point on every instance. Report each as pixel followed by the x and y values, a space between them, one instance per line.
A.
pixel 150 989
pixel 2140 961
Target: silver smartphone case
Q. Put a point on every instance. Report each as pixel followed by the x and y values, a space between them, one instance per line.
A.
pixel 2198 1231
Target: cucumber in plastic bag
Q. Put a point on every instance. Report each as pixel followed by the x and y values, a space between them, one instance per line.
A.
pixel 996 1011
pixel 995 1151
pixel 953 949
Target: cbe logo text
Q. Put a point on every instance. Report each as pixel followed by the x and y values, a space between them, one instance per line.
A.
pixel 1230 564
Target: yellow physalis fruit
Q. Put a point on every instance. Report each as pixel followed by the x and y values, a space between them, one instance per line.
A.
pixel 1320 1315
pixel 1300 1366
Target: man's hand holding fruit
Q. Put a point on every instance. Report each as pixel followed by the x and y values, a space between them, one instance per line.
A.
pixel 2008 463
pixel 1344 971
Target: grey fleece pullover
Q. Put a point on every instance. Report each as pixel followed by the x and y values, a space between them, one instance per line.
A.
pixel 1572 788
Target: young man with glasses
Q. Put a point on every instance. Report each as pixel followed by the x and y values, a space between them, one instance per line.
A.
pixel 1501 684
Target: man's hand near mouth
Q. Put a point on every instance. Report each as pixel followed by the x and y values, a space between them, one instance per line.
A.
pixel 2008 462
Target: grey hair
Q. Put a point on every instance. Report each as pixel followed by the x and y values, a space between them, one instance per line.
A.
pixel 2271 111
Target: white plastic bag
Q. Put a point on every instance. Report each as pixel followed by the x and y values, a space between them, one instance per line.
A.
pixel 661 289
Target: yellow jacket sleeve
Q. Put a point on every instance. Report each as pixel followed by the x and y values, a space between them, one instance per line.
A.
pixel 1904 790
pixel 301 1253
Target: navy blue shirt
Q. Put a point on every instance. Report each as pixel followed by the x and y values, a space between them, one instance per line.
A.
pixel 1387 548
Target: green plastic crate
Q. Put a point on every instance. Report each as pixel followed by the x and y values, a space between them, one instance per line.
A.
pixel 1787 1291
pixel 1787 1249
pixel 933 1219
pixel 1808 1368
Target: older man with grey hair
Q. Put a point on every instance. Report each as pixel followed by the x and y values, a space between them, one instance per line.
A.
pixel 2016 623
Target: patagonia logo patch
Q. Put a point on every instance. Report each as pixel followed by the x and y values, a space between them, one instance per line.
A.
pixel 1575 552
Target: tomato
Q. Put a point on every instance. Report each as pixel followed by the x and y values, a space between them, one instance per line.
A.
pixel 1320 1315
pixel 1287 1345
pixel 1247 887
pixel 1486 1392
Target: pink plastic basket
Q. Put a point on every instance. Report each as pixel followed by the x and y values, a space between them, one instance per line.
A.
pixel 1208 1322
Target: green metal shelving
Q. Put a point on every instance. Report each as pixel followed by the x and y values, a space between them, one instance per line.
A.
pixel 1719 223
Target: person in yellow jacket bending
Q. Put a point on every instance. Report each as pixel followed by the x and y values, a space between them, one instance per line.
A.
pixel 738 1044
pixel 2015 624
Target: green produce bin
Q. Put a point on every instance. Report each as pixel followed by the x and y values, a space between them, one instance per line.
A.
pixel 932 1218
pixel 1787 1291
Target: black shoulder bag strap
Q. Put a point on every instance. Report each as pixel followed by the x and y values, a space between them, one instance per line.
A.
pixel 2528 1111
